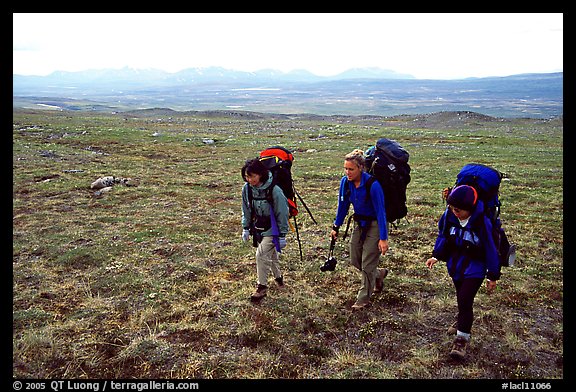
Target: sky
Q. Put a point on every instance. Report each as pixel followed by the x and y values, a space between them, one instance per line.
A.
pixel 426 46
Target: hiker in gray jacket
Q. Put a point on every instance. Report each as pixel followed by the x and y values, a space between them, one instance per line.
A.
pixel 260 197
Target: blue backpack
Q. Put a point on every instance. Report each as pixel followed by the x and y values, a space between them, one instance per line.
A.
pixel 486 180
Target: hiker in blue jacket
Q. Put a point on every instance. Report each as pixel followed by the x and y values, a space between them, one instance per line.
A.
pixel 265 218
pixel 464 242
pixel 370 236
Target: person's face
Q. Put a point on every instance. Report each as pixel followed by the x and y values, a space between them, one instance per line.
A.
pixel 352 170
pixel 460 214
pixel 253 179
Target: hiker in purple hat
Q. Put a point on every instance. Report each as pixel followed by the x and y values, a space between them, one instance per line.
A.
pixel 465 244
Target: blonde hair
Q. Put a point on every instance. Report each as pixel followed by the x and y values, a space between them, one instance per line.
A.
pixel 356 156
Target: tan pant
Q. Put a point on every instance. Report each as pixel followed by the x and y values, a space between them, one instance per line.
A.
pixel 365 256
pixel 267 260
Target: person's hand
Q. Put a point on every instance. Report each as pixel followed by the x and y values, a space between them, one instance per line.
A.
pixel 282 242
pixel 431 261
pixel 491 285
pixel 245 235
pixel 383 246
pixel 333 234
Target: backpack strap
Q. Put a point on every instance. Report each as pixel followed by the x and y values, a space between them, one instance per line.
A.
pixel 368 185
pixel 255 235
pixel 252 214
pixel 269 198
pixel 358 217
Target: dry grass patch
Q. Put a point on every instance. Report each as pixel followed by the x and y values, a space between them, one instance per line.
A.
pixel 153 281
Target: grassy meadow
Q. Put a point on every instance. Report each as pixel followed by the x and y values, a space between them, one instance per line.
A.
pixel 153 280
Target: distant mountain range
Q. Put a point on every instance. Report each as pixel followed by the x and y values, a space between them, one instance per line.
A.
pixel 371 91
pixel 128 77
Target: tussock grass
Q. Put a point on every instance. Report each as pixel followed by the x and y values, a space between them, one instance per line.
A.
pixel 153 281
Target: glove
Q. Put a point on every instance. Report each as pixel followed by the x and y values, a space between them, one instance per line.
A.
pixel 282 242
pixel 245 235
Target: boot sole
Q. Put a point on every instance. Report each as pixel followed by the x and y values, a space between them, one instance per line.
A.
pixel 257 299
pixel 457 355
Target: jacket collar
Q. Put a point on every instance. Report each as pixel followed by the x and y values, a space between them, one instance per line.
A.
pixel 266 185
pixel 476 213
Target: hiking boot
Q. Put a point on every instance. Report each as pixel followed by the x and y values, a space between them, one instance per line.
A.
pixel 279 281
pixel 459 348
pixel 260 293
pixel 382 273
pixel 453 328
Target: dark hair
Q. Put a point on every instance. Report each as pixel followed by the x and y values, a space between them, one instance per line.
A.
pixel 255 166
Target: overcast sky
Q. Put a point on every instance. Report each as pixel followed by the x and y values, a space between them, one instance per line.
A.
pixel 435 46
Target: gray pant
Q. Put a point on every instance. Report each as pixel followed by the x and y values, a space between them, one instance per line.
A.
pixel 266 261
pixel 365 256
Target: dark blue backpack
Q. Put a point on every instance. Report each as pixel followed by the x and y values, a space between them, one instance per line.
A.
pixel 486 180
pixel 387 162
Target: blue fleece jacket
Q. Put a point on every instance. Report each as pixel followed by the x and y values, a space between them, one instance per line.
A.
pixel 357 197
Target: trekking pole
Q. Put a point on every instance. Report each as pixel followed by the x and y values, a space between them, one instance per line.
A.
pixel 298 238
pixel 347 227
pixel 332 246
pixel 305 206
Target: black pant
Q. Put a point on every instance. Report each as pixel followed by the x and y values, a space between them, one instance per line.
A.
pixel 466 290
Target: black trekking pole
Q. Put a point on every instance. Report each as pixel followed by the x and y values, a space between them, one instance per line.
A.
pixel 305 206
pixel 298 238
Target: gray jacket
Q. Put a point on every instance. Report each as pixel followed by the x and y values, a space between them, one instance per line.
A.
pixel 262 207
